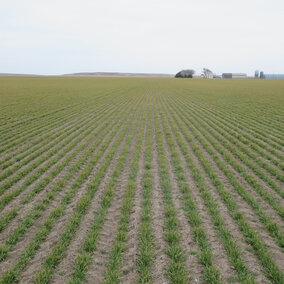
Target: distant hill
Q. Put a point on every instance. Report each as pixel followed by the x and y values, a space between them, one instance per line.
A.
pixel 18 75
pixel 119 74
pixel 95 74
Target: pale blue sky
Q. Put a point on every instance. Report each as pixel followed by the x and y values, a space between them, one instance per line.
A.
pixel 65 36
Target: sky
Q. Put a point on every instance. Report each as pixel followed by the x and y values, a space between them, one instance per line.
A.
pixel 51 37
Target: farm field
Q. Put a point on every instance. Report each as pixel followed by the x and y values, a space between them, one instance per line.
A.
pixel 141 180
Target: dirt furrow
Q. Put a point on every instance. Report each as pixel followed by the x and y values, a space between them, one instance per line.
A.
pixel 53 237
pixel 220 255
pixel 160 261
pixel 35 264
pixel 187 237
pixel 250 215
pixel 64 269
pixel 129 274
pixel 28 206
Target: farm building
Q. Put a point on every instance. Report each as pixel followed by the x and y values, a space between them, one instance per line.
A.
pixel 273 76
pixel 207 74
pixel 234 75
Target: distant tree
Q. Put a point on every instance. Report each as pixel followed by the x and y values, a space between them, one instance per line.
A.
pixel 256 74
pixel 185 73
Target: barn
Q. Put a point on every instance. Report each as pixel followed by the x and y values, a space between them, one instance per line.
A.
pixel 234 75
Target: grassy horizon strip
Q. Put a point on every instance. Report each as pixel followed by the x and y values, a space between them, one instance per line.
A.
pixel 89 243
pixel 271 226
pixel 22 139
pixel 16 140
pixel 96 109
pixel 57 123
pixel 43 140
pixel 249 122
pixel 176 272
pixel 4 221
pixel 235 138
pixel 271 270
pixel 244 127
pixel 7 130
pixel 12 274
pixel 78 106
pixel 244 138
pixel 85 257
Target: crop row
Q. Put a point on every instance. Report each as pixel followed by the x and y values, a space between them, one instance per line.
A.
pixel 271 269
pixel 105 128
pixel 11 275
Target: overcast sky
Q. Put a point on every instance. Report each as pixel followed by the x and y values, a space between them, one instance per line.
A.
pixel 65 36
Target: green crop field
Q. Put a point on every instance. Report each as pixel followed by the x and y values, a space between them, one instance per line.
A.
pixel 141 180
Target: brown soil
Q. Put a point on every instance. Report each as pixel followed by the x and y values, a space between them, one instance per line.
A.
pixel 250 259
pixel 53 238
pixel 129 273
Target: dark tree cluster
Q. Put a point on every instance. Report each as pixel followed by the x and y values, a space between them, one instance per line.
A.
pixel 185 74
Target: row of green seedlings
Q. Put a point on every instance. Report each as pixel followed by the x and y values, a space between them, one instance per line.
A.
pixel 228 156
pixel 50 115
pixel 25 134
pixel 59 137
pixel 229 132
pixel 29 220
pixel 89 246
pixel 211 273
pixel 246 127
pixel 271 226
pixel 275 133
pixel 48 136
pixel 176 272
pixel 271 270
pixel 106 128
pixel 217 132
pixel 229 122
pixel 25 123
pixel 234 138
pixel 89 243
pixel 146 236
pixel 253 143
pixel 43 231
pixel 32 131
pixel 87 127
pixel 69 146
pixel 242 117
pixel 16 140
pixel 28 131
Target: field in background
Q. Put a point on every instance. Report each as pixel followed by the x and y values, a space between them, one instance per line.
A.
pixel 141 180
